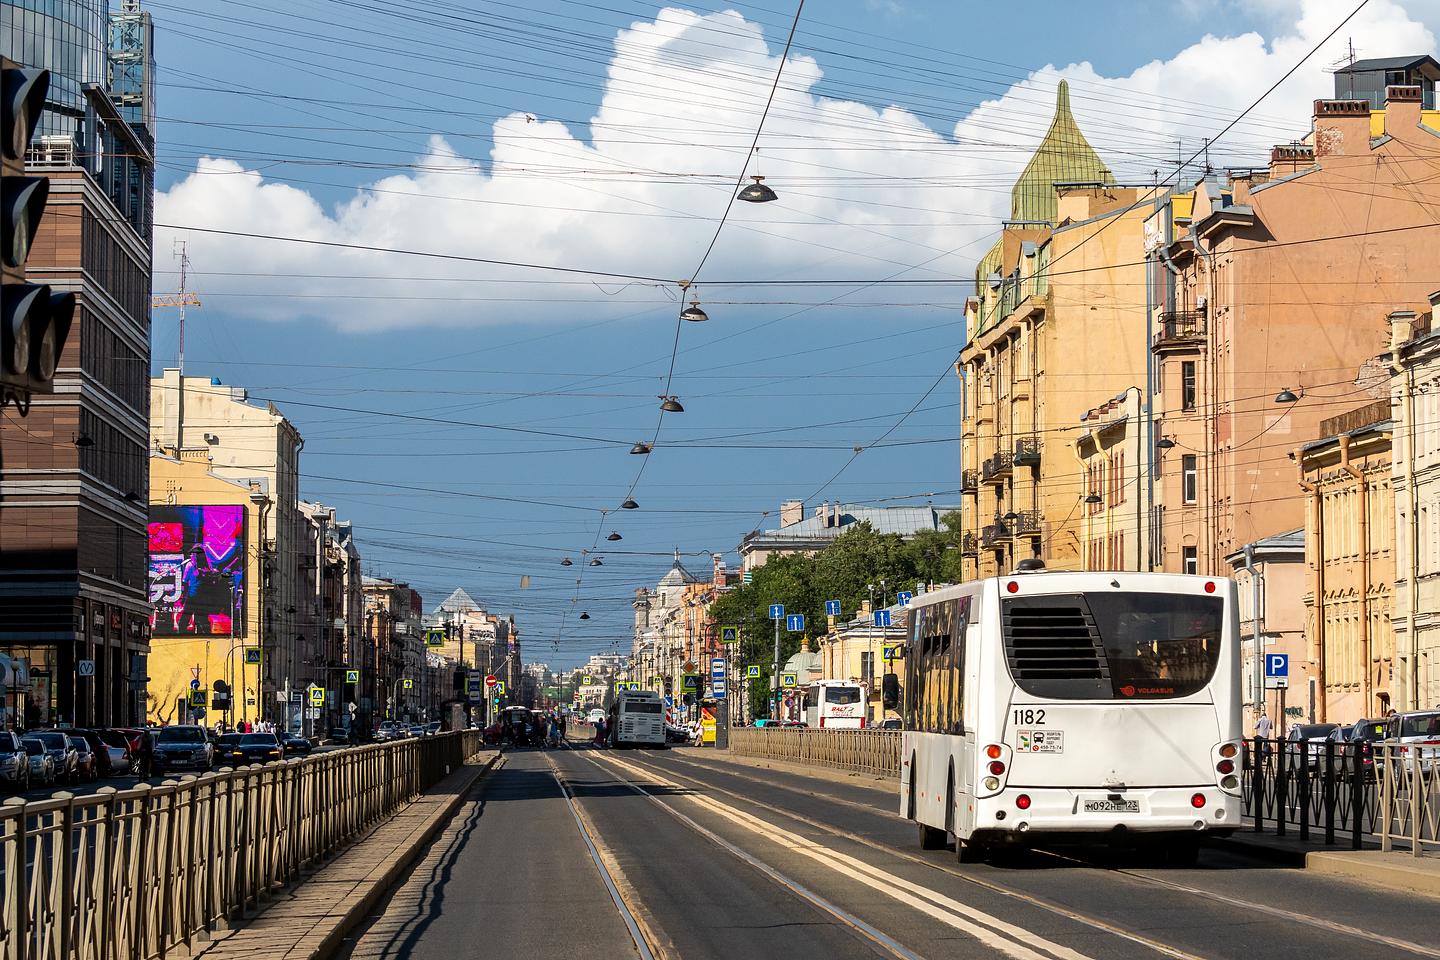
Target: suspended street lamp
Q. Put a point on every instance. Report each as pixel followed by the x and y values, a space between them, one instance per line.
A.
pixel 567 562
pixel 756 192
pixel 596 562
pixel 1164 443
pixel 670 405
pixel 584 616
pixel 1285 396
pixel 693 313
pixel 641 448
pixel 629 504
pixel 614 536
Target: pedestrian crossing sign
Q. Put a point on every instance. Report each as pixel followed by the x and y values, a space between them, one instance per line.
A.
pixel 500 687
pixel 891 651
pixel 730 633
pixel 197 697
pixel 352 676
pixel 435 638
pixel 409 684
pixel 252 654
pixel 587 681
pixel 317 696
pixel 789 680
pixel 752 672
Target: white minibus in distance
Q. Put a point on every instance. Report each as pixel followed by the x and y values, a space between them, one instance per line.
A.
pixel 834 705
pixel 1073 706
pixel 637 719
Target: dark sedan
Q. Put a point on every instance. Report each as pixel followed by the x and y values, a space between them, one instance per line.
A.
pixel 227 750
pixel 294 744
pixel 258 748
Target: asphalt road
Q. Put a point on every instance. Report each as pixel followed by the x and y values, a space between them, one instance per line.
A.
pixel 710 859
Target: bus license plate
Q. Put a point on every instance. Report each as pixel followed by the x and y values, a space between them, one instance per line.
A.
pixel 1109 805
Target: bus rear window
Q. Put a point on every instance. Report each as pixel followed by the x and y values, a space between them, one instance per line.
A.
pixel 842 695
pixel 641 706
pixel 1112 646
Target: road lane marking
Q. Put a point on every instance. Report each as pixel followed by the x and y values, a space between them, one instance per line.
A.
pixel 642 945
pixel 989 930
pixel 1044 904
pixel 867 933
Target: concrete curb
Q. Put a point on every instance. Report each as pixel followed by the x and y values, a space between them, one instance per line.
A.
pixel 324 931
pixel 855 778
pixel 1393 871
pixel 1260 847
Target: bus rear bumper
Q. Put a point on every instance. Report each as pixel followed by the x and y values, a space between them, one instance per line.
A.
pixel 1021 810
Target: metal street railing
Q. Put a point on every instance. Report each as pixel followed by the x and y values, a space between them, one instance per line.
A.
pixel 866 751
pixel 138 874
pixel 1409 795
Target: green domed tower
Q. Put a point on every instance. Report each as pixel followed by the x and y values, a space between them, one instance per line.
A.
pixel 1064 156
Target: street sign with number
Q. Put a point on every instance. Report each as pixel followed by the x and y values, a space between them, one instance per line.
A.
pixel 777 611
pixel 795 622
pixel 832 608
pixel 882 618
pixel 752 672
pixel 352 676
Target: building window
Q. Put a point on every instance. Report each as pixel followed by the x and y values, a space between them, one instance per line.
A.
pixel 1192 560
pixel 1187 385
pixel 1190 478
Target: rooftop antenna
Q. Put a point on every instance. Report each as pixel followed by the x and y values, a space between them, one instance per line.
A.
pixel 1348 60
pixel 180 300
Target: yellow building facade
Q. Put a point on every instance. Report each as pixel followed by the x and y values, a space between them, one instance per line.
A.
pixel 187 480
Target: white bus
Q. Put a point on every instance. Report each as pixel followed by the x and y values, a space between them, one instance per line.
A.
pixel 835 705
pixel 1082 706
pixel 637 719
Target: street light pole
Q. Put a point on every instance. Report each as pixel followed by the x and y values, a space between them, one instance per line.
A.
pixel 775 676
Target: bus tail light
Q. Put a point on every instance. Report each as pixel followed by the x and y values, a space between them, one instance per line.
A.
pixel 997 767
pixel 1023 801
pixel 992 783
pixel 1226 757
pixel 1228 750
pixel 1198 801
pixel 1225 766
pixel 993 751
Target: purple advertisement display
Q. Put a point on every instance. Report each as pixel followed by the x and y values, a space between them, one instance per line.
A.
pixel 197 570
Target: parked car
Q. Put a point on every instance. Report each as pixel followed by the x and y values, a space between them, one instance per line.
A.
pixel 293 744
pixel 432 728
pixel 183 747
pixel 595 716
pixel 62 755
pixel 1362 736
pixel 259 748
pixel 1314 736
pixel 98 750
pixel 1419 736
pixel 118 751
pixel 416 730
pixel 42 767
pixel 893 723
pixel 389 730
pixel 87 766
pixel 227 750
pixel 339 736
pixel 14 762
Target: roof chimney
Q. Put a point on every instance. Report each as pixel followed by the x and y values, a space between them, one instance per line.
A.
pixel 1402 109
pixel 1342 128
pixel 791 512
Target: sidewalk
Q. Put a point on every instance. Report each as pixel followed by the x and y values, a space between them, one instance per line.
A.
pixel 310 919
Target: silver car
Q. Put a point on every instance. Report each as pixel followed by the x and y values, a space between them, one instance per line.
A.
pixel 14 762
pixel 42 768
pixel 63 754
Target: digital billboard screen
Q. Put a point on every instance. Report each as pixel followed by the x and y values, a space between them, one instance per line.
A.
pixel 197 570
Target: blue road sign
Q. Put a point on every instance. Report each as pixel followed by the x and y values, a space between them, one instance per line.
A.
pixel 795 622
pixel 1277 664
pixel 717 668
pixel 832 608
pixel 777 611
pixel 194 684
pixel 904 597
pixel 882 618
pixel 669 701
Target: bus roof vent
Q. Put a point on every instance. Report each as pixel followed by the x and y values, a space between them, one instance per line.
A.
pixel 1030 565
pixel 1053 638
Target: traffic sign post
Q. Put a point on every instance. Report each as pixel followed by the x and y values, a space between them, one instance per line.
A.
pixel 1277 671
pixel 752 672
pixel 904 597
pixel 317 696
pixel 777 611
pixel 795 622
pixel 252 655
pixel 352 676
pixel 890 651
pixel 789 680
pixel 832 608
pixel 730 633
pixel 718 677
pixel 882 618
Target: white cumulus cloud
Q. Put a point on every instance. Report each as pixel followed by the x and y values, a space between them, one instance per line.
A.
pixel 868 189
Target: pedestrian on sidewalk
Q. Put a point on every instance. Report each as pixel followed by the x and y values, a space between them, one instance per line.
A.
pixel 1263 728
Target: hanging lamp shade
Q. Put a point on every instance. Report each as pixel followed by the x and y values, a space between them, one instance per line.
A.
pixel 614 536
pixel 1285 396
pixel 629 504
pixel 567 562
pixel 1093 498
pixel 693 313
pixel 584 616
pixel 1164 443
pixel 641 448
pixel 671 405
pixel 756 192
pixel 596 562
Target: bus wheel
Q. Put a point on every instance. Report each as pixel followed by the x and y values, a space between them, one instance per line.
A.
pixel 968 851
pixel 932 838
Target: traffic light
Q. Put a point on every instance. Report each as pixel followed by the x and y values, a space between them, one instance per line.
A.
pixel 34 320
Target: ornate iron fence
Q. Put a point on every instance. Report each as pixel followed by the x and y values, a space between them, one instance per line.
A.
pixel 866 751
pixel 139 873
pixel 1317 791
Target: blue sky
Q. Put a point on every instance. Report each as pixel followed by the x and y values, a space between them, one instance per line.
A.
pixel 437 396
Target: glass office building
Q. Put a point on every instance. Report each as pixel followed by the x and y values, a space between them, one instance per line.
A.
pixel 66 37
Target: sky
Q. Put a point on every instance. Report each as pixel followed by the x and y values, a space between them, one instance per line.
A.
pixel 499 202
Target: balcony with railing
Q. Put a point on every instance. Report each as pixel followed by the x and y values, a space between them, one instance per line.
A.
pixel 998 466
pixel 969 544
pixel 969 481
pixel 1179 328
pixel 1026 523
pixel 1027 452
pixel 992 535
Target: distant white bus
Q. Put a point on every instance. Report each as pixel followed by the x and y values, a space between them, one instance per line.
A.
pixel 1073 705
pixel 637 719
pixel 835 705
